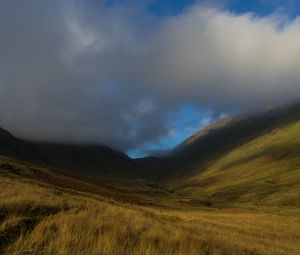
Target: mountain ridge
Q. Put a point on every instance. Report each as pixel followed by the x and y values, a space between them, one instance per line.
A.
pixel 92 162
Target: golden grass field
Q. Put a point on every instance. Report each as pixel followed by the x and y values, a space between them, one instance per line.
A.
pixel 39 218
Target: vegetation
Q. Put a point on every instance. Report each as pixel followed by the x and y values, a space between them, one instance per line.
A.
pixel 232 189
pixel 41 219
pixel 264 171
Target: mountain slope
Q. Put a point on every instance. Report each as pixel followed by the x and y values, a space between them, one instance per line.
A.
pixel 252 160
pixel 264 171
pixel 92 163
pixel 206 146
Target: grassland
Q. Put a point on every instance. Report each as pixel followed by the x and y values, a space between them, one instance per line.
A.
pixel 40 218
pixel 264 171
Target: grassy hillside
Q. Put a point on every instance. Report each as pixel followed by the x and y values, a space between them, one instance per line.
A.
pixel 205 147
pixel 263 170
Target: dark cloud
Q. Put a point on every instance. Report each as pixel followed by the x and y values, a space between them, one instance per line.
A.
pixel 81 71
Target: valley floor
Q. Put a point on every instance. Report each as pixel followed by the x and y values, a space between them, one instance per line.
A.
pixel 39 218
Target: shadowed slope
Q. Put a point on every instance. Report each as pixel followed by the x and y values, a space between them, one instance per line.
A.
pixel 93 163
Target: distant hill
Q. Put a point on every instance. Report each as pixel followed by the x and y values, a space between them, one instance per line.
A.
pixel 94 163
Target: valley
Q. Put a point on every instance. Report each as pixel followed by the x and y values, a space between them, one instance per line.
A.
pixel 233 188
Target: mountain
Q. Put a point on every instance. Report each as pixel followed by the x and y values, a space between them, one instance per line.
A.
pixel 247 159
pixel 92 163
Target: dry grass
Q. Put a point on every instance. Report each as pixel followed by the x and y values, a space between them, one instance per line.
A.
pixel 263 171
pixel 39 219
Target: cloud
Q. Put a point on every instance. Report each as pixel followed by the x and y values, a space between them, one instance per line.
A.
pixel 77 71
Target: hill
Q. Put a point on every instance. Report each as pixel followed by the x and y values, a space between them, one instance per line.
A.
pixel 91 163
pixel 249 159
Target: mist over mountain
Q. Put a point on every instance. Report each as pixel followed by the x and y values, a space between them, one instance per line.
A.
pixel 89 73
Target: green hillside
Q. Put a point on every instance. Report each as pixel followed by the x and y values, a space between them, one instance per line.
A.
pixel 262 168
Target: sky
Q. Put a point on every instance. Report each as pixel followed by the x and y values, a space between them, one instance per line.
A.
pixel 141 76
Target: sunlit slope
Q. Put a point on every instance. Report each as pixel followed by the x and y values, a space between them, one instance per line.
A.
pixel 206 147
pixel 265 170
pixel 214 126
